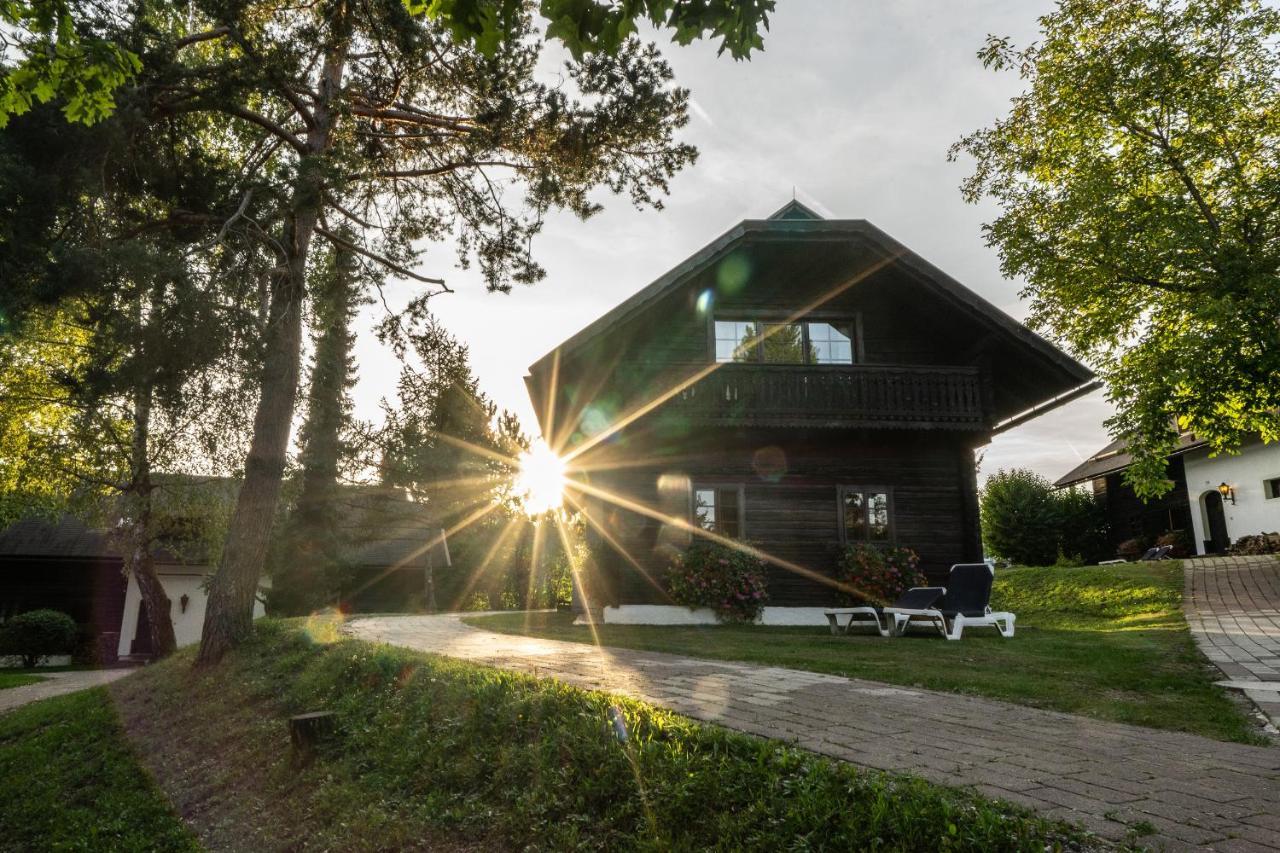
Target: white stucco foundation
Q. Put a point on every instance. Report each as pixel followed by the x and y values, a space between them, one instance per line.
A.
pixel 1246 473
pixel 187 624
pixel 670 614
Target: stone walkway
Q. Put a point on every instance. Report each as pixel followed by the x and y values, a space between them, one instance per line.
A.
pixel 56 684
pixel 1233 608
pixel 1196 793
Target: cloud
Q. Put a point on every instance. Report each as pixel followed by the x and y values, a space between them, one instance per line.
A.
pixel 854 107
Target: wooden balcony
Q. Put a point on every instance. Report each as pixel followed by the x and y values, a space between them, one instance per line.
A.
pixel 871 396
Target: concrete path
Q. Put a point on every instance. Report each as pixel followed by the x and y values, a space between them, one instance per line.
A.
pixel 56 684
pixel 1233 608
pixel 1195 792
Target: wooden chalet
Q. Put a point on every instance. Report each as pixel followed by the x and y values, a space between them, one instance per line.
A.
pixel 799 383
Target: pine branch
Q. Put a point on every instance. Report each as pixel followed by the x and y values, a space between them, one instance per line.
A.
pixel 386 262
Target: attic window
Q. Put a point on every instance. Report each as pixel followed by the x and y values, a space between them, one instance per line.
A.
pixel 812 342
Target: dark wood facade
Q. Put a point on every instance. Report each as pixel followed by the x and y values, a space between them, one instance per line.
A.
pixel 1129 516
pixel 648 415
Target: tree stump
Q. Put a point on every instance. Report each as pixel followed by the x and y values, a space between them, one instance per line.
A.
pixel 306 731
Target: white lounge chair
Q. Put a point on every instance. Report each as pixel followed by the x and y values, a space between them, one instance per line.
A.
pixel 915 598
pixel 967 604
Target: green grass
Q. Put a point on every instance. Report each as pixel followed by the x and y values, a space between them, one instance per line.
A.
pixel 17 679
pixel 68 781
pixel 437 753
pixel 1108 642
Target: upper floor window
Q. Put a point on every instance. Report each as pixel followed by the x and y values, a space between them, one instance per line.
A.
pixel 784 343
pixel 718 509
pixel 830 343
pixel 1271 488
pixel 865 514
pixel 735 340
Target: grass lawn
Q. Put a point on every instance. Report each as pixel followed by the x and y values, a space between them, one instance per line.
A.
pixel 1108 642
pixel 432 753
pixel 17 679
pixel 69 781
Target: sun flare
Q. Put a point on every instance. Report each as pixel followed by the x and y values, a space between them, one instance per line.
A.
pixel 540 481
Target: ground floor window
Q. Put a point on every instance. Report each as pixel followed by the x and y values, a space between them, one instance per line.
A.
pixel 866 514
pixel 718 508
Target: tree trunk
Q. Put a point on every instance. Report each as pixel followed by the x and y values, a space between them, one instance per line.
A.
pixel 140 563
pixel 228 617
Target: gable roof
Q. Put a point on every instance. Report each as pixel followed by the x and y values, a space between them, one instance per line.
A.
pixel 1113 458
pixel 381 526
pixel 794 210
pixel 794 219
pixel 65 538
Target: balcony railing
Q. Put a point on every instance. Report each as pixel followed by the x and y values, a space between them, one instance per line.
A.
pixel 859 395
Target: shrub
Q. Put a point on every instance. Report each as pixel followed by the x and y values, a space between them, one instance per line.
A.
pixel 730 582
pixel 1179 541
pixel 477 602
pixel 1081 525
pixel 1068 561
pixel 35 635
pixel 1028 522
pixel 877 577
pixel 1131 549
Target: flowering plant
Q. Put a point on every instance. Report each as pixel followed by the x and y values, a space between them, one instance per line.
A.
pixel 725 579
pixel 877 577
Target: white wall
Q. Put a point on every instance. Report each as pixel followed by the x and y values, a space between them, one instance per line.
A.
pixel 186 625
pixel 1252 512
pixel 670 614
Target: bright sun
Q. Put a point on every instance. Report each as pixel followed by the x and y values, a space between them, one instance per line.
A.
pixel 540 481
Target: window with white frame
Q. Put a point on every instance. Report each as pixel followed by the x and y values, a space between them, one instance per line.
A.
pixel 808 342
pixel 735 340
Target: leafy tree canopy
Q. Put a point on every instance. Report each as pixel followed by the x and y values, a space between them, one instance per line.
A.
pixel 47 52
pixel 1026 521
pixel 1138 177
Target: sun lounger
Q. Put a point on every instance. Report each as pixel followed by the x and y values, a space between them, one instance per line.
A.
pixel 916 598
pixel 966 604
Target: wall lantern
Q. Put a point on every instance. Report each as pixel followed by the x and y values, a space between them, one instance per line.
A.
pixel 1227 492
pixel 184 601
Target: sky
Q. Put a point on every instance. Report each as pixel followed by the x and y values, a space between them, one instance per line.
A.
pixel 851 107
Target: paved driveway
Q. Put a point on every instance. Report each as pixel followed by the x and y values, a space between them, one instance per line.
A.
pixel 1233 608
pixel 56 684
pixel 1195 792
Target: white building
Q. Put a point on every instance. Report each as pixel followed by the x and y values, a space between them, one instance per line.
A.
pixel 1232 496
pixel 1215 499
pixel 185 587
